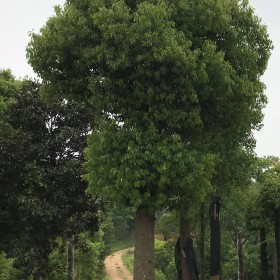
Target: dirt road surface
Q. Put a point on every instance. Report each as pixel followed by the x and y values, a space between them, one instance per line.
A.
pixel 115 268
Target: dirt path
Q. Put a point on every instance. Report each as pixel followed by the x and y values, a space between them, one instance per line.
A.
pixel 115 268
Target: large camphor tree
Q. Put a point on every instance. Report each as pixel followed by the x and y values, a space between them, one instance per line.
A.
pixel 174 86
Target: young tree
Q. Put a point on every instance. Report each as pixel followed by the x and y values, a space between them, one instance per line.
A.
pixel 172 83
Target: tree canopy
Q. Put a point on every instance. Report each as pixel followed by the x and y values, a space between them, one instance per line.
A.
pixel 9 87
pixel 164 70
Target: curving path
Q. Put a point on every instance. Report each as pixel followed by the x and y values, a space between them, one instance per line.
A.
pixel 115 268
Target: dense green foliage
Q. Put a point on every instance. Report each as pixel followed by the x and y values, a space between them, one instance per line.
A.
pixel 142 167
pixel 234 217
pixel 42 193
pixel 9 87
pixel 88 258
pixel 177 86
pixel 165 264
pixel 168 225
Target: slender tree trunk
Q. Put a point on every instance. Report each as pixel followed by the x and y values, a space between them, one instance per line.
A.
pixel 240 255
pixel 70 258
pixel 263 255
pixel 36 275
pixel 277 240
pixel 178 262
pixel 144 260
pixel 274 263
pixel 202 242
pixel 215 239
pixel 188 260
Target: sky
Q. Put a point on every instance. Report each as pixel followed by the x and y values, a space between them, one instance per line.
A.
pixel 19 17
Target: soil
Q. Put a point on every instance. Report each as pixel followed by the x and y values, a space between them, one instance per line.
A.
pixel 115 268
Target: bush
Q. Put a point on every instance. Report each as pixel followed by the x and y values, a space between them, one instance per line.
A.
pixel 164 259
pixel 160 275
pixel 168 225
pixel 7 271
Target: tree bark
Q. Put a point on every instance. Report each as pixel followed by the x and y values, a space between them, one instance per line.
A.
pixel 202 242
pixel 277 240
pixel 188 259
pixel 274 263
pixel 240 255
pixel 36 275
pixel 70 258
pixel 215 239
pixel 144 259
pixel 263 255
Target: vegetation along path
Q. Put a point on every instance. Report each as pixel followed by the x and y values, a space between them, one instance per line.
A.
pixel 115 268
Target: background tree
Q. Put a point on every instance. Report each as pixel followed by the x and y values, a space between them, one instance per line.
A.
pixel 269 199
pixel 9 87
pixel 41 177
pixel 257 219
pixel 258 222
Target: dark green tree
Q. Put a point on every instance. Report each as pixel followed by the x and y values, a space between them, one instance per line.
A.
pixel 269 198
pixel 41 178
pixel 257 218
pixel 258 222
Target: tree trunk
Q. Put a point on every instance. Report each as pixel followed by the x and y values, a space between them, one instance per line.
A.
pixel 215 239
pixel 70 258
pixel 274 263
pixel 202 242
pixel 240 255
pixel 144 259
pixel 36 275
pixel 263 255
pixel 277 240
pixel 188 259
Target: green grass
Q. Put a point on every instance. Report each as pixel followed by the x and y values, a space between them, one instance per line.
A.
pixel 121 244
pixel 106 278
pixel 127 259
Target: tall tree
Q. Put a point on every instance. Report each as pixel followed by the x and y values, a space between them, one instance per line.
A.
pixel 41 172
pixel 172 84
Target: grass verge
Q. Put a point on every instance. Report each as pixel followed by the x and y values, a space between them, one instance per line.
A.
pixel 127 259
pixel 121 244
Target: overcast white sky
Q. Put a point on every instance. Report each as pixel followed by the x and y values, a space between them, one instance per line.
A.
pixel 18 17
